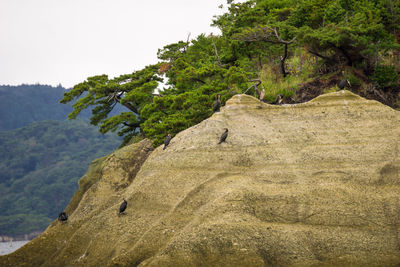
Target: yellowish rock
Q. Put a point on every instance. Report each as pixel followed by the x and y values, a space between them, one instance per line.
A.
pixel 294 185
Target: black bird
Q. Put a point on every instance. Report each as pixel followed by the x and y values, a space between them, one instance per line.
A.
pixel 343 83
pixel 217 104
pixel 167 140
pixel 62 217
pixel 122 208
pixel 223 136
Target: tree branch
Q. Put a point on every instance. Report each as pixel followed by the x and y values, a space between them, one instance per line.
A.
pixel 283 62
pixel 258 82
pixel 344 52
pixel 318 55
pixel 268 34
pixel 132 125
pixel 216 53
pixel 127 104
pixel 219 61
pixel 280 39
pixel 187 43
pixel 198 80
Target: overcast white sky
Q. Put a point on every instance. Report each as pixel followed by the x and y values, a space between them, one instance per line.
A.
pixel 66 41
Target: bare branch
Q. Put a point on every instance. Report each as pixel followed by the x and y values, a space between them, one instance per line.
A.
pixel 318 55
pixel 114 96
pixel 258 82
pixel 216 53
pixel 132 125
pixel 280 39
pixel 266 34
pixel 270 35
pixel 219 61
pixel 187 43
pixel 198 80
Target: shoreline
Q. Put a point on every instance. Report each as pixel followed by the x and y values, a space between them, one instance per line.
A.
pixel 11 246
pixel 24 237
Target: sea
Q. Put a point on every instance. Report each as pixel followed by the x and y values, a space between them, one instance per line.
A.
pixel 9 247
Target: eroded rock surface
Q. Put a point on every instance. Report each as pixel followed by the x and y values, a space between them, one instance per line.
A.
pixel 306 184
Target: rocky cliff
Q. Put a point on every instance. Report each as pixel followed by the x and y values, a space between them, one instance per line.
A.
pixel 308 184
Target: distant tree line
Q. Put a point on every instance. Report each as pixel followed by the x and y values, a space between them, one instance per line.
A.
pixel 23 104
pixel 40 165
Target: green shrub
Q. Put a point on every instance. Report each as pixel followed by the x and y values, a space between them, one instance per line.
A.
pixel 385 75
pixel 354 81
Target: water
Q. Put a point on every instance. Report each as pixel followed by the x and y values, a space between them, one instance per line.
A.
pixel 8 247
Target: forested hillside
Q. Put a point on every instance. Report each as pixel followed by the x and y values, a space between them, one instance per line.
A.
pixel 40 166
pixel 42 155
pixel 24 104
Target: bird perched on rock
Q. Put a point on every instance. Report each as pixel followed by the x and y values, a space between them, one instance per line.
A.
pixel 167 140
pixel 217 104
pixel 223 136
pixel 343 83
pixel 279 99
pixel 62 217
pixel 122 208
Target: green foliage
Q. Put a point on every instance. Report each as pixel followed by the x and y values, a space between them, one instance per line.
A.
pixel 340 32
pixel 40 166
pixel 196 72
pixel 24 104
pixel 385 76
pixel 195 78
pixel 258 37
pixel 301 68
pixel 133 91
pixel 350 32
pixel 354 81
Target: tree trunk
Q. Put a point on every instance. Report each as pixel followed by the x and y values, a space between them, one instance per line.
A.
pixel 283 71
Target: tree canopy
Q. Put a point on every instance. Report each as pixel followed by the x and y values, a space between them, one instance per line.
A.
pixel 359 34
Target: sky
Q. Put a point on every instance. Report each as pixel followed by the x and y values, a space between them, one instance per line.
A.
pixel 65 41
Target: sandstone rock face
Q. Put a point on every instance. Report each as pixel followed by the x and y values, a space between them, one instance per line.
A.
pixel 294 185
